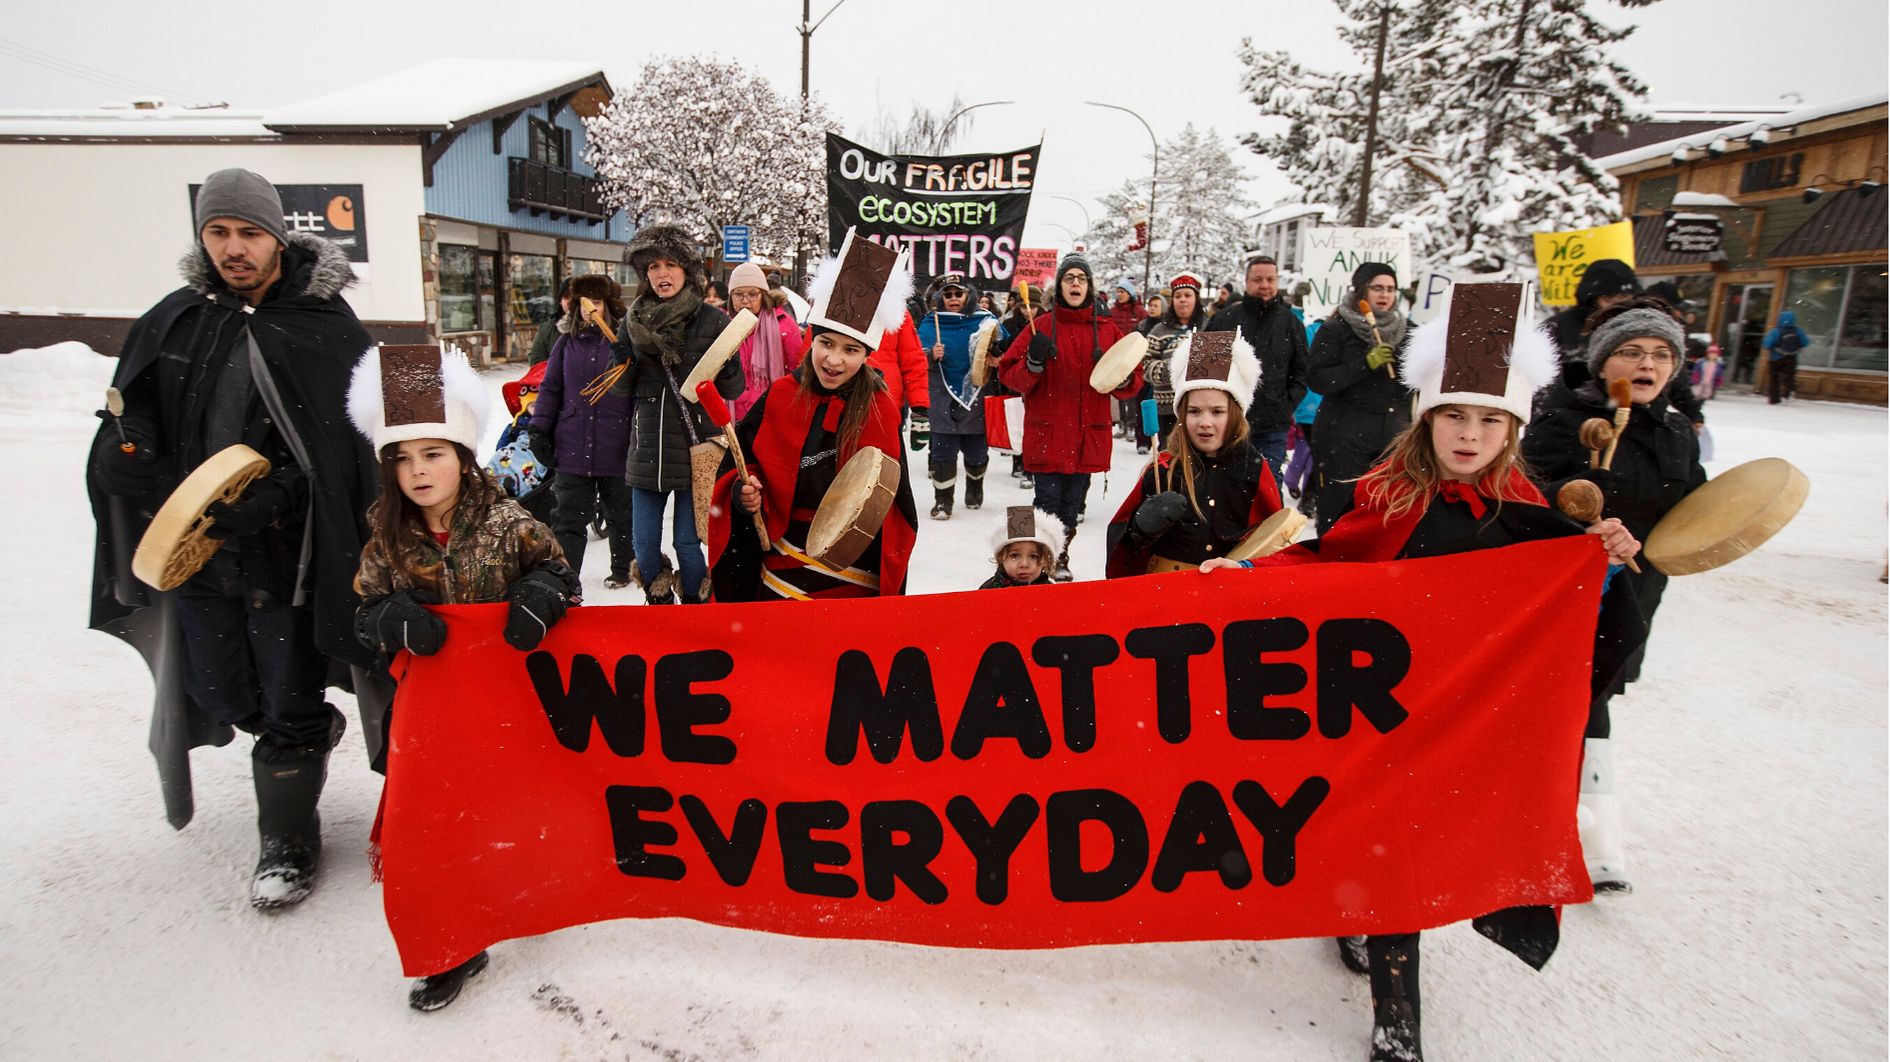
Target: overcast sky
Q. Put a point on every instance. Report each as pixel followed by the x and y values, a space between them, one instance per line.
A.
pixel 1174 63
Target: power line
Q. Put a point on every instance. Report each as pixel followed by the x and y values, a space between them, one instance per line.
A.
pixel 72 68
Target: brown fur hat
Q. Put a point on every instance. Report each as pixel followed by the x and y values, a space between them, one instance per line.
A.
pixel 671 241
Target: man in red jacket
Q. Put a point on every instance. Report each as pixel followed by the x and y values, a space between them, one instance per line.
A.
pixel 1066 423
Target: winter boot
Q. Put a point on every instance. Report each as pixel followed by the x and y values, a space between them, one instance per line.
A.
pixel 974 488
pixel 289 781
pixel 1027 481
pixel 942 493
pixel 1395 1002
pixel 700 597
pixel 435 992
pixel 1062 572
pixel 1598 820
pixel 1017 466
pixel 660 590
pixel 1352 954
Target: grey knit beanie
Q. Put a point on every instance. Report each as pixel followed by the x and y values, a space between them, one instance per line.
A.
pixel 1638 323
pixel 241 194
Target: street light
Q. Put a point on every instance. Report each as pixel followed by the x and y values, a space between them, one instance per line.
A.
pixel 938 142
pixel 1155 155
pixel 1087 224
pixel 1074 238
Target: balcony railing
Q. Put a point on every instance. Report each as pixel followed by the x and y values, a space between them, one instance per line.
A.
pixel 549 190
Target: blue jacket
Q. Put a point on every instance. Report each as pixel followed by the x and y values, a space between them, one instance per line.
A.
pixel 1787 323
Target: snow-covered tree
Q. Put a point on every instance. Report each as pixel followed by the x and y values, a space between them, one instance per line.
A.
pixel 707 143
pixel 1200 201
pixel 918 132
pixel 1479 110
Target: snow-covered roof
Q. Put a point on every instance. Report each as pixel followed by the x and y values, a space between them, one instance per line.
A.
pixel 1714 112
pixel 122 122
pixel 1702 199
pixel 440 94
pixel 1288 211
pixel 1739 131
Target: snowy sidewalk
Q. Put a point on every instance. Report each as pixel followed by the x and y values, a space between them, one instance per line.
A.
pixel 1752 761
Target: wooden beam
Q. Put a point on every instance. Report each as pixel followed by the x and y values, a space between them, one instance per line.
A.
pixel 434 149
pixel 500 124
pixel 556 104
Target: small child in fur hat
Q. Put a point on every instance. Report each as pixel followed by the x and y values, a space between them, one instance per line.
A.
pixel 1025 548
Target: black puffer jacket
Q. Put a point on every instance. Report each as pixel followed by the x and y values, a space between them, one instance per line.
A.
pixel 1279 341
pixel 1363 409
pixel 660 424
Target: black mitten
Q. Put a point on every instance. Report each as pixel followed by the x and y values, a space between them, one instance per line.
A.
pixel 1156 515
pixel 131 474
pixel 535 603
pixel 265 503
pixel 398 621
pixel 541 443
pixel 1041 351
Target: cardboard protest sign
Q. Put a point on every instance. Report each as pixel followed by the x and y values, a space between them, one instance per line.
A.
pixel 1328 255
pixel 1562 257
pixel 1298 752
pixel 958 213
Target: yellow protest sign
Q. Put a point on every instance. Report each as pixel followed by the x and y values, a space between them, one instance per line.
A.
pixel 1562 257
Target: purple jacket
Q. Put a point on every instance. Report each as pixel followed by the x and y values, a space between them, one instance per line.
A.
pixel 591 440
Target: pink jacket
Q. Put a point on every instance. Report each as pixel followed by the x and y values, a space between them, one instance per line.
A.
pixel 755 376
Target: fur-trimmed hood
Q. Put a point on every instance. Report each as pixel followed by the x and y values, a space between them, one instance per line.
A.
pixel 310 266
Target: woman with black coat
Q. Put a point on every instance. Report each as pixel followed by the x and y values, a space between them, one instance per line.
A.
pixel 1355 364
pixel 669 327
pixel 1656 463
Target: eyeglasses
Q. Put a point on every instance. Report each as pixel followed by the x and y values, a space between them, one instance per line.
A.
pixel 1628 355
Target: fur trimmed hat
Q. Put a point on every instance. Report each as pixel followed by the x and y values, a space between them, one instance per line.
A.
pixel 1482 351
pixel 598 288
pixel 1025 524
pixel 1224 361
pixel 1184 279
pixel 420 391
pixel 860 292
pixel 671 241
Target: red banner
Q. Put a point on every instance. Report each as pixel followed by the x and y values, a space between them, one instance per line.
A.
pixel 1310 751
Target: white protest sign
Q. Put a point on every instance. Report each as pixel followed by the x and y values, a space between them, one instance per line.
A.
pixel 1433 293
pixel 1329 255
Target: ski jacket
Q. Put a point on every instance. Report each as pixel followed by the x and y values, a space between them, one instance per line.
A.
pixel 1066 422
pixel 1361 411
pixel 1787 325
pixel 956 408
pixel 1279 341
pixel 1126 315
pixel 481 560
pixel 590 439
pixel 902 361
pixel 662 424
pixel 755 378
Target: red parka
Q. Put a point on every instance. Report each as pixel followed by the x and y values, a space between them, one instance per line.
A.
pixel 904 364
pixel 1066 423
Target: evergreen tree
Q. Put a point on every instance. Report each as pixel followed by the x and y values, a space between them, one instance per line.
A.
pixel 1479 108
pixel 1199 223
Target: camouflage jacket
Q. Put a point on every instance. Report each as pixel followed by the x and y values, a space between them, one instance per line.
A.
pixel 479 563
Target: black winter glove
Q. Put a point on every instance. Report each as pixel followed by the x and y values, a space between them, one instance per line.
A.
pixel 541 443
pixel 1041 351
pixel 397 621
pixel 1155 516
pixel 535 603
pixel 126 475
pixel 921 429
pixel 267 502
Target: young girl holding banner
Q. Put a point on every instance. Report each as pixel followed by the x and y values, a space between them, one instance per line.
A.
pixel 442 532
pixel 1451 483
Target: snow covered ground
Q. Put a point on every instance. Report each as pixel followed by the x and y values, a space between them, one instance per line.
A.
pixel 1752 760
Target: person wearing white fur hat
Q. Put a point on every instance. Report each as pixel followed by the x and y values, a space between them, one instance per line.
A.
pixel 442 532
pixel 1024 547
pixel 1209 486
pixel 806 427
pixel 1453 482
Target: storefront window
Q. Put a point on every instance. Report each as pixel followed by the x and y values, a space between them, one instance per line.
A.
pixel 1842 309
pixel 488 291
pixel 459 292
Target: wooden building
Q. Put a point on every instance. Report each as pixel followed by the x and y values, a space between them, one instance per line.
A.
pixel 1800 208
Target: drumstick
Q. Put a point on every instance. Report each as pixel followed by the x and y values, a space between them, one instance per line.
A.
pixel 1023 292
pixel 596 314
pixel 1596 434
pixel 1581 502
pixel 115 405
pixel 1365 308
pixel 1621 393
pixel 717 410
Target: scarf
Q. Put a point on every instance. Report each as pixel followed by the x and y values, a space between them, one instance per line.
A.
pixel 659 325
pixel 1390 324
pixel 762 358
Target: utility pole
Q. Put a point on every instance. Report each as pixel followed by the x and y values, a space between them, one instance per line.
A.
pixel 806 30
pixel 1361 208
